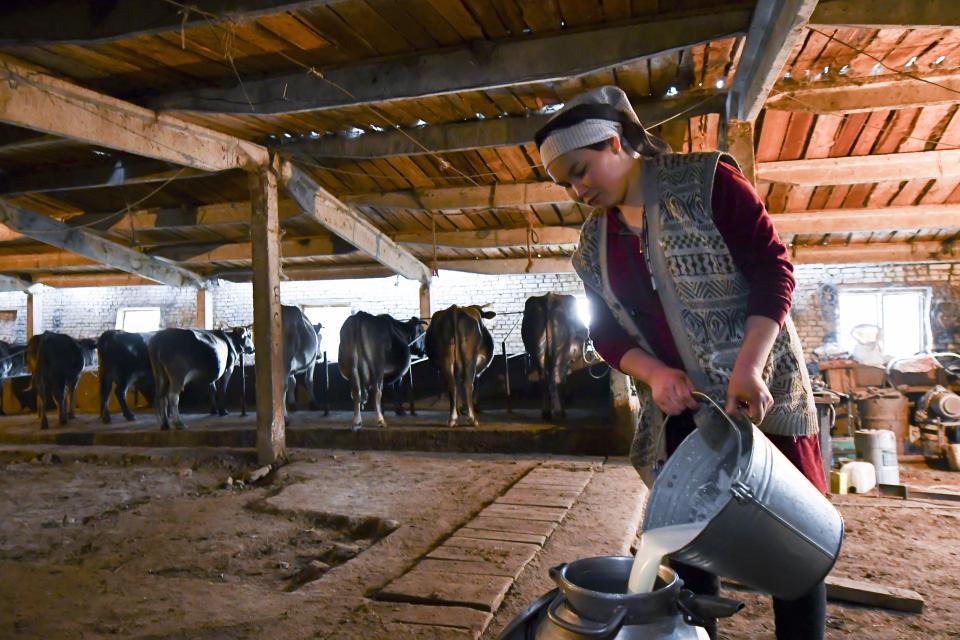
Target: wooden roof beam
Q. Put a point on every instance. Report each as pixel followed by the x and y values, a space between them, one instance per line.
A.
pixel 35 100
pixel 480 66
pixel 863 169
pixel 869 94
pixel 123 171
pixel 777 25
pixel 86 22
pixel 91 246
pixel 492 132
pixel 887 13
pixel 929 216
pixel 344 222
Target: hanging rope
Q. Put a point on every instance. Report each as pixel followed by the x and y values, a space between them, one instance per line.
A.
pixel 530 241
pixel 434 268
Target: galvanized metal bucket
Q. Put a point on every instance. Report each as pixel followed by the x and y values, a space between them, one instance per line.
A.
pixel 766 525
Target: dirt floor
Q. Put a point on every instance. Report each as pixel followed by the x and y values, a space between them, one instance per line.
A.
pixel 147 543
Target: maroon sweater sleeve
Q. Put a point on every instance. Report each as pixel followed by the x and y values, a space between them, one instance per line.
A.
pixel 609 338
pixel 756 248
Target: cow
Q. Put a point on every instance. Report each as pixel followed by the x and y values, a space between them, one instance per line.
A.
pixel 554 336
pixel 13 363
pixel 459 344
pixel 55 361
pixel 375 350
pixel 124 360
pixel 301 346
pixel 179 356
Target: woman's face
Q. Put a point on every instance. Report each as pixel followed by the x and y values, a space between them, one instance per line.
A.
pixel 597 178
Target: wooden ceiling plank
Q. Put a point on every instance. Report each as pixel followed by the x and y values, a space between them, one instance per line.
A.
pixel 124 171
pixel 773 129
pixel 848 134
pixel 928 127
pixel 932 13
pixel 477 68
pixel 872 129
pixel 74 22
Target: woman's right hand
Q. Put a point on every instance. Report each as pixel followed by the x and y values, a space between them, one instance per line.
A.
pixel 672 390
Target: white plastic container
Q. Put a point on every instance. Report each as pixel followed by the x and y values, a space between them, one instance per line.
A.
pixel 879 448
pixel 861 476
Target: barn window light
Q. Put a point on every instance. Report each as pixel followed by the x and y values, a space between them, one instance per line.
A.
pixel 877 68
pixel 550 108
pixel 672 91
pixel 826 70
pixel 353 132
pixel 138 319
pixel 720 83
pixel 376 128
pixel 420 123
pixel 479 116
pixel 844 69
pixel 939 60
pixel 314 134
pixel 787 76
pixel 287 136
pixel 97 152
pixel 910 62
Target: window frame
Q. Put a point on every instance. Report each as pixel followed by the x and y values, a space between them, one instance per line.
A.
pixel 926 297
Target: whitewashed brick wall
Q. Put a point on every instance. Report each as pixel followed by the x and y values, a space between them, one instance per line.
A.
pixel 87 312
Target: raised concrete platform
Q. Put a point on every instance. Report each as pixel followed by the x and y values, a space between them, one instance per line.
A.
pixel 583 433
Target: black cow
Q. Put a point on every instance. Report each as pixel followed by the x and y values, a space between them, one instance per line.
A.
pixel 179 356
pixel 13 363
pixel 124 360
pixel 56 361
pixel 375 350
pixel 301 346
pixel 554 336
pixel 460 345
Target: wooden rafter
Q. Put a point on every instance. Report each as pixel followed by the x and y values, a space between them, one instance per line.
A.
pixel 887 13
pixel 81 21
pixel 481 66
pixel 870 94
pixel 126 171
pixel 776 27
pixel 341 220
pixel 862 169
pixel 492 132
pixel 93 247
pixel 35 100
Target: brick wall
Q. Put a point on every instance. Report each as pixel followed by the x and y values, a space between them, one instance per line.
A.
pixel 87 312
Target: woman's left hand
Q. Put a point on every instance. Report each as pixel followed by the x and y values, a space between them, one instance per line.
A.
pixel 748 390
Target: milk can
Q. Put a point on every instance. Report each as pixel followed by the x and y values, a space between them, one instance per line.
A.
pixel 591 601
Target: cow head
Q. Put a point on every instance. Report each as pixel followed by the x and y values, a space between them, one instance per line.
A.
pixel 414 332
pixel 242 339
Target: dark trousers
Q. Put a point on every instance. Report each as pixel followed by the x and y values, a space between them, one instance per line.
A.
pixel 801 619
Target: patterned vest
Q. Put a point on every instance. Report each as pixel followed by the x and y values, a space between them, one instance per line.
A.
pixel 704 297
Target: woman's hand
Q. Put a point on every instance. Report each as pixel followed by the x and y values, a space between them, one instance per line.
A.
pixel 672 390
pixel 748 390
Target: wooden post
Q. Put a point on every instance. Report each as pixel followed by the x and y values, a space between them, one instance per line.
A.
pixel 34 314
pixel 738 142
pixel 204 309
pixel 425 301
pixel 268 333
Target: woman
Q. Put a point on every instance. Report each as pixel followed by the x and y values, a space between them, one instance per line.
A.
pixel 690 289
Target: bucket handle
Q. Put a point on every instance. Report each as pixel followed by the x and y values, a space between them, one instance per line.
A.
pixel 607 630
pixel 697 609
pixel 707 400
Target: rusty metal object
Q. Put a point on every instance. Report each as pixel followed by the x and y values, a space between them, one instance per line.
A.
pixel 885 409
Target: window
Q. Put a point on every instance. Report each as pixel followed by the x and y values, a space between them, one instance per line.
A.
pixel 901 315
pixel 139 319
pixel 332 318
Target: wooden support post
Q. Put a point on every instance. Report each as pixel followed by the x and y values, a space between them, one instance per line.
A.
pixel 204 309
pixel 739 143
pixel 34 314
pixel 268 332
pixel 425 301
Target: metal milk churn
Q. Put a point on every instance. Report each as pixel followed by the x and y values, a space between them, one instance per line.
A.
pixel 591 602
